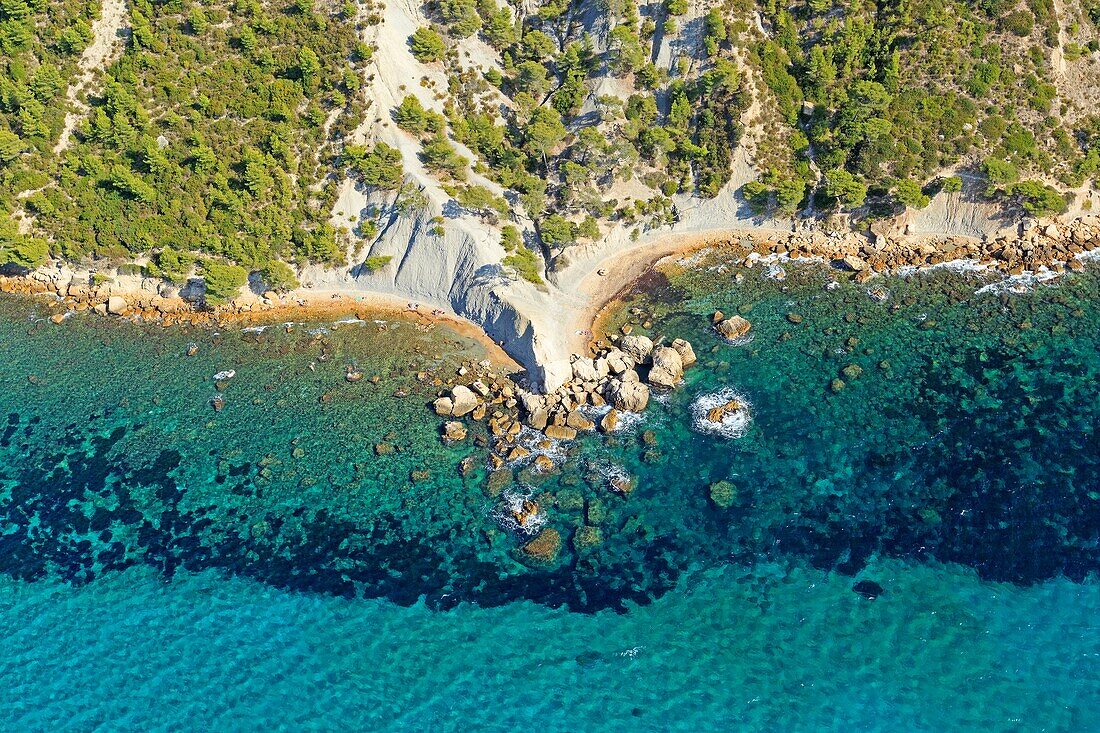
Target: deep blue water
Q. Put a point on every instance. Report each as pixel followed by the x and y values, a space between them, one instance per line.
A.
pixel 914 551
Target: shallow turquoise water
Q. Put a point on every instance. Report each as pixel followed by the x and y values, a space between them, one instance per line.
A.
pixel 265 567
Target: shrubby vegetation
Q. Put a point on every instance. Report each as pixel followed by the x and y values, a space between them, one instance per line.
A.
pixel 211 135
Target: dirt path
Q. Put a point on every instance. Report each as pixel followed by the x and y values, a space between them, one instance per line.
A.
pixel 108 32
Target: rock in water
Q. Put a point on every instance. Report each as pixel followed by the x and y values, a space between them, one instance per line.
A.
pixel 869 589
pixel 718 414
pixel 578 421
pixel 538 419
pixel 628 396
pixel 560 432
pixel 733 328
pixel 454 431
pixel 723 494
pixel 686 352
pixel 610 421
pixel 443 407
pixel 637 348
pixel 668 368
pixel 463 399
pixel 544 548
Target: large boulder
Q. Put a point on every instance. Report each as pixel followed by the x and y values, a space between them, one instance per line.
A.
pixel 628 396
pixel 618 362
pixel 116 305
pixel 578 421
pixel 584 370
pixel 637 348
pixel 531 402
pixel 560 432
pixel 734 327
pixel 686 352
pixel 463 400
pixel 668 368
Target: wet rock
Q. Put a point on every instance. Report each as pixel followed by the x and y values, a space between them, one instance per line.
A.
pixel 723 494
pixel 560 432
pixel 518 453
pixel 638 348
pixel 610 421
pixel 668 368
pixel 733 328
pixel 351 375
pixel 543 464
pixel 443 407
pixel 57 318
pixel 218 403
pixel 463 400
pixel 467 466
pixel 686 352
pixel 719 414
pixel 192 349
pixel 578 421
pixel 628 395
pixel 794 318
pixel 538 419
pixel 545 546
pixel 717 318
pixel 454 431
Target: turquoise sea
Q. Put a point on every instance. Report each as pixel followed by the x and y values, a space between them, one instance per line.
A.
pixel 913 550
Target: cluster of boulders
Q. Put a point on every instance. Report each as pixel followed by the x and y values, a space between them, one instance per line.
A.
pixel 620 378
pixel 890 244
pixel 150 299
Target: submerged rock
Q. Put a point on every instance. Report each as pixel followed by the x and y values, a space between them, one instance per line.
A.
pixel 723 494
pixel 545 546
pixel 869 589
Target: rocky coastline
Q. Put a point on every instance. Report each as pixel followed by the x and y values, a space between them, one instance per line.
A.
pixel 1031 245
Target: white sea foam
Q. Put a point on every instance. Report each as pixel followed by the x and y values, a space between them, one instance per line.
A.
pixel 511 503
pixel 734 424
pixel 225 374
pixel 254 329
pixel 1019 284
